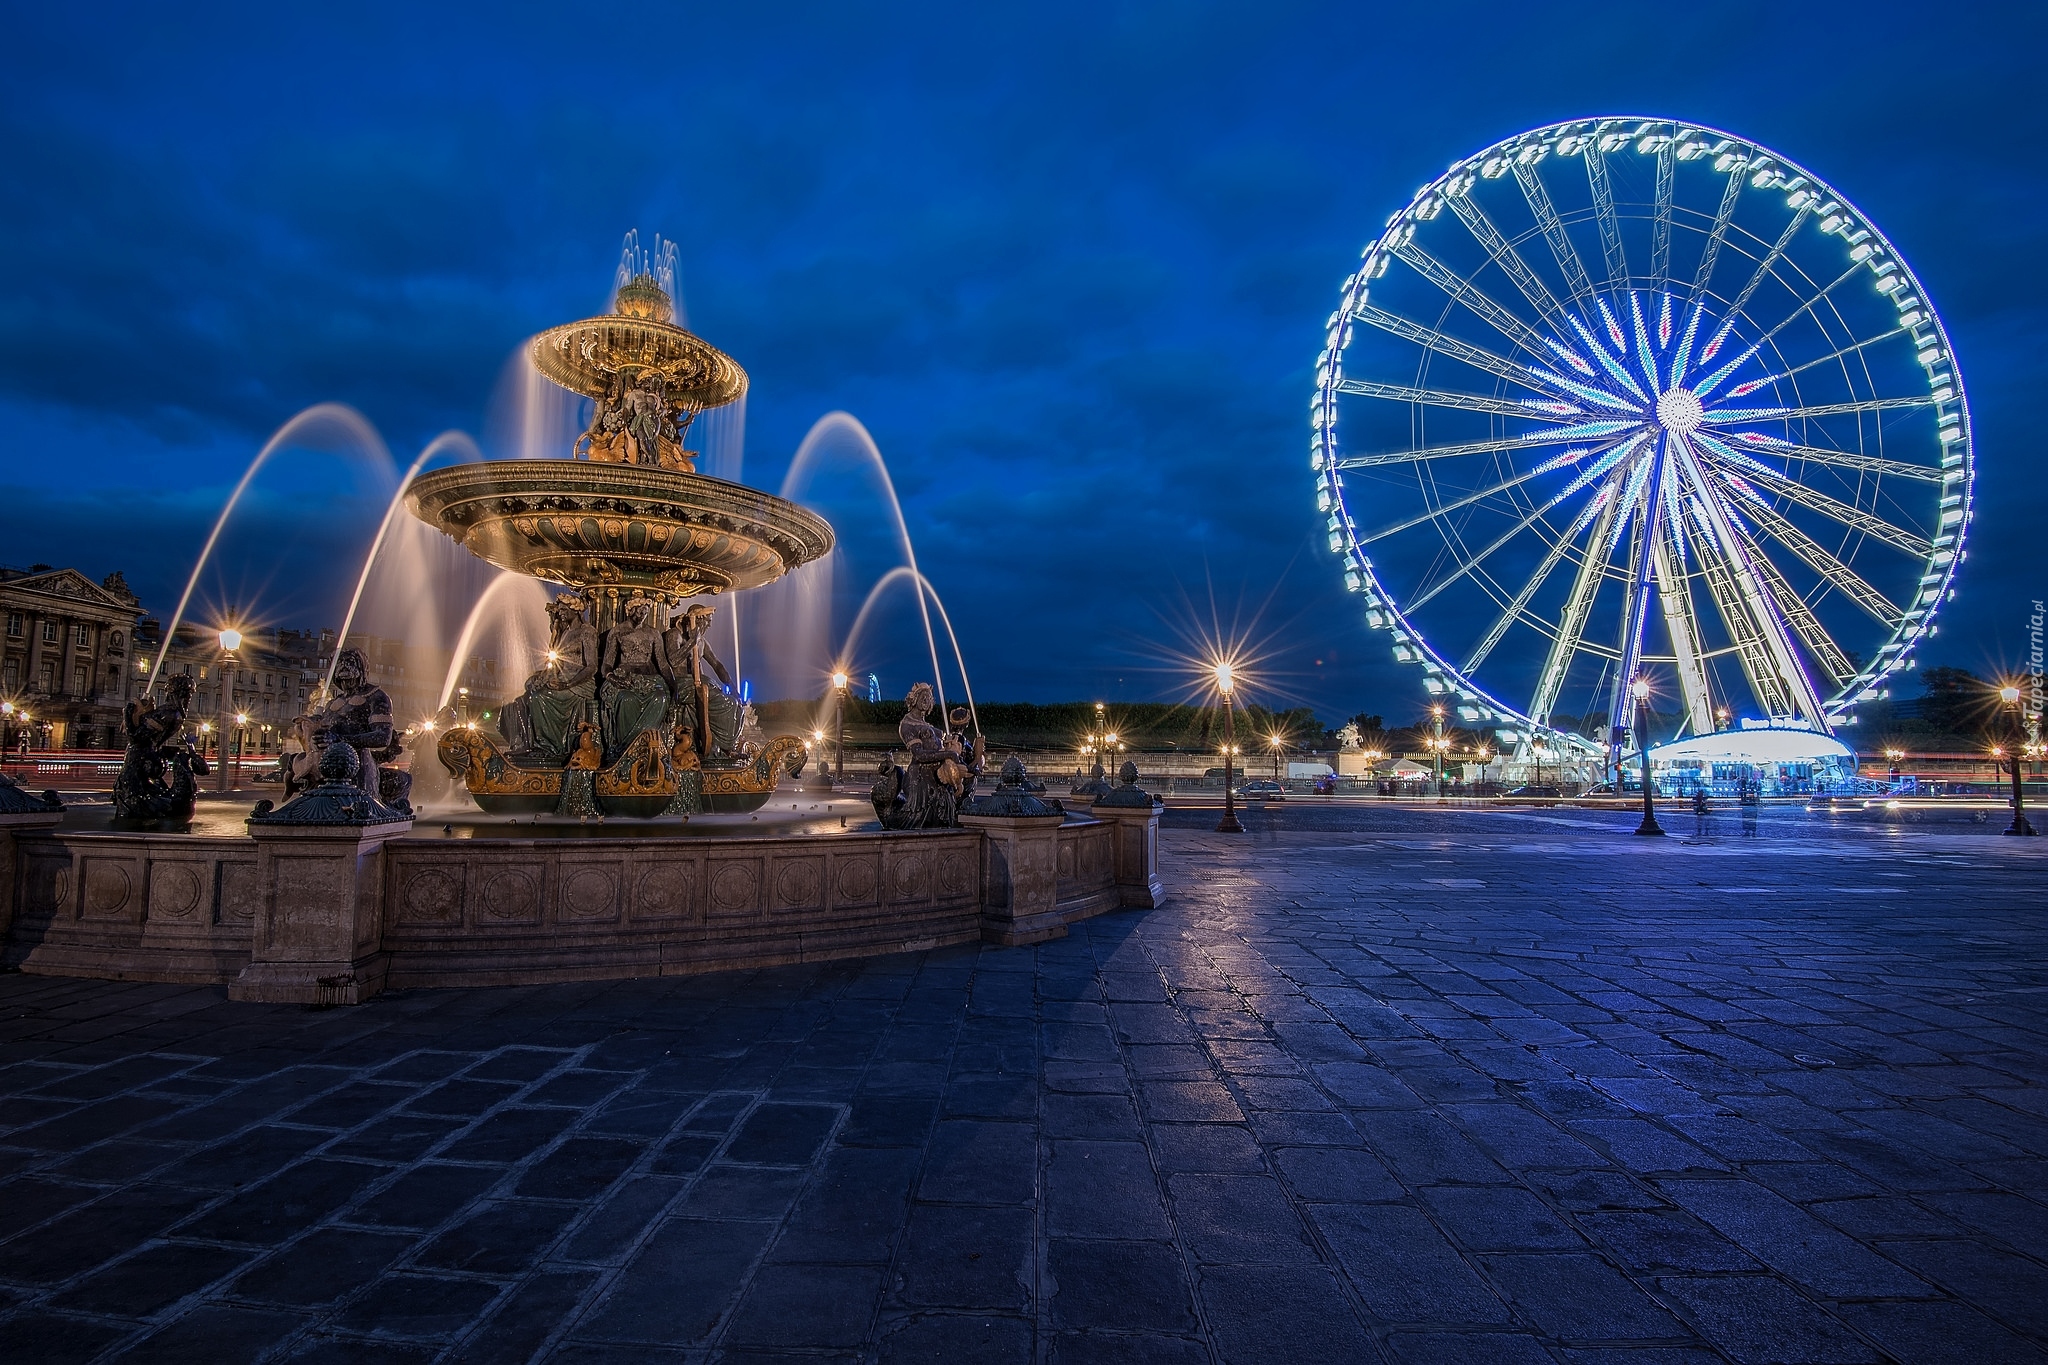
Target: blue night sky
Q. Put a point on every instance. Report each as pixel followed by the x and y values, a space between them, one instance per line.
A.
pixel 1070 265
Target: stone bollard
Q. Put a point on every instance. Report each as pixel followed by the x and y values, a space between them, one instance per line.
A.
pixel 319 862
pixel 1020 861
pixel 19 810
pixel 1133 815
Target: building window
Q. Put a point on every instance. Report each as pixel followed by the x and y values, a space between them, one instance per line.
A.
pixel 79 684
pixel 85 637
pixel 46 679
pixel 49 632
pixel 14 624
pixel 10 674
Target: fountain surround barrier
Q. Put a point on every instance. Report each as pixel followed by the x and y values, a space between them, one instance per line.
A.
pixel 332 914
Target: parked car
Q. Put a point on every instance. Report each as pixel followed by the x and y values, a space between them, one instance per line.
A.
pixel 1536 791
pixel 1262 791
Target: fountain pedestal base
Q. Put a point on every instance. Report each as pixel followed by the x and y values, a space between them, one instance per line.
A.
pixel 1020 884
pixel 317 939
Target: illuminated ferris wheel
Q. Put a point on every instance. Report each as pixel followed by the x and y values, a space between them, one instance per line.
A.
pixel 1626 398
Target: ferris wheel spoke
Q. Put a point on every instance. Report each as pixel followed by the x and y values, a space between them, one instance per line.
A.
pixel 1520 605
pixel 1753 385
pixel 1721 416
pixel 1711 253
pixel 1578 609
pixel 1578 431
pixel 1819 644
pixel 1475 299
pixel 1503 255
pixel 1550 466
pixel 1660 233
pixel 1534 410
pixel 1763 271
pixel 1471 565
pixel 1603 211
pixel 1843 459
pixel 1803 309
pixel 1528 376
pixel 1561 247
pixel 1844 579
pixel 1833 509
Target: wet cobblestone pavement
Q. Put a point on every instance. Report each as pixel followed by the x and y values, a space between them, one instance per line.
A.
pixel 1384 1084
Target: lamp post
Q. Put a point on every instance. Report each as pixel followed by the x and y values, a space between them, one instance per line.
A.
pixel 1485 756
pixel 1640 690
pixel 1539 753
pixel 1229 823
pixel 1436 745
pixel 1892 757
pixel 2009 702
pixel 839 681
pixel 241 742
pixel 1276 744
pixel 230 641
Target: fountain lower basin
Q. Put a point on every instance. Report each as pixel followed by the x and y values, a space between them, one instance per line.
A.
pixel 333 915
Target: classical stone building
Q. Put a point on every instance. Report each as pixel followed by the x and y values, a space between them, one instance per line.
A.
pixel 74 652
pixel 66 645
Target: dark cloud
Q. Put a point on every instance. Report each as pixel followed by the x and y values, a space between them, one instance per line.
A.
pixel 1070 266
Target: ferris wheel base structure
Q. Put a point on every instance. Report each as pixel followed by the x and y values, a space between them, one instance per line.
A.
pixel 1628 415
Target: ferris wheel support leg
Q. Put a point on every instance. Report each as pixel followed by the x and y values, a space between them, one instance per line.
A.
pixel 1635 616
pixel 1674 594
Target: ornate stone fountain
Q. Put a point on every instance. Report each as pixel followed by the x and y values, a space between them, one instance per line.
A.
pixel 631 715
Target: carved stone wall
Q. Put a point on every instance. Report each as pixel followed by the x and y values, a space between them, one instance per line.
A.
pixel 433 911
pixel 1087 870
pixel 133 907
pixel 499 911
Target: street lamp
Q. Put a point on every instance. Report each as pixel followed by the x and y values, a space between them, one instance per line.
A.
pixel 2009 702
pixel 1229 823
pixel 1893 756
pixel 1640 690
pixel 839 681
pixel 1437 744
pixel 1276 743
pixel 1485 756
pixel 230 641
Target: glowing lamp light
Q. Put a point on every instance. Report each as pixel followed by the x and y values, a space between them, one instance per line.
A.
pixel 818 735
pixel 1639 689
pixel 1223 681
pixel 839 681
pixel 2009 694
pixel 205 727
pixel 241 718
pixel 6 708
pixel 428 726
pixel 231 640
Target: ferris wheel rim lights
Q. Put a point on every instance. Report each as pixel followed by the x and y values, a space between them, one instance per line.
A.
pixel 1621 397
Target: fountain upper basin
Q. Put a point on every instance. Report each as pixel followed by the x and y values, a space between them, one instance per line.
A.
pixel 590 524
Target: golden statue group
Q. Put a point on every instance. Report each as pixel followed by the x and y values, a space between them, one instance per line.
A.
pixel 632 720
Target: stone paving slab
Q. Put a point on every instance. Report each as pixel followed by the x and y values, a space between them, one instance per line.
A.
pixel 1380 1084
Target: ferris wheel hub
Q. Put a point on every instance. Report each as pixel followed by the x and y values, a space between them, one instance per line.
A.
pixel 1679 412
